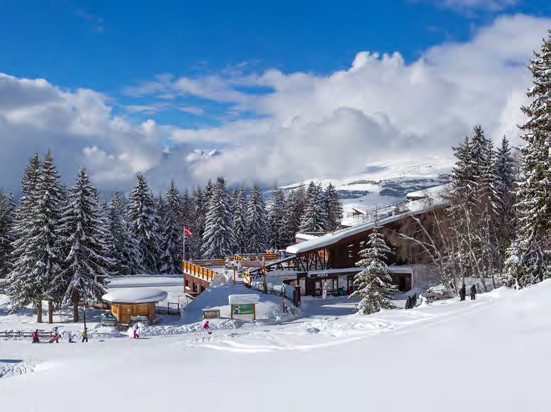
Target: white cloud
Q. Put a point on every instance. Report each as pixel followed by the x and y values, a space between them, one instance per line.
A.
pixel 312 125
pixel 77 126
pixel 304 125
pixel 478 4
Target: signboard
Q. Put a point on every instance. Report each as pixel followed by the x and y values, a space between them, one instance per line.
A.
pixel 324 290
pixel 247 309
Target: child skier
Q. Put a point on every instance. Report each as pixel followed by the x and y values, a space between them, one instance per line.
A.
pixel 55 335
pixel 136 336
pixel 35 336
pixel 206 327
pixel 85 335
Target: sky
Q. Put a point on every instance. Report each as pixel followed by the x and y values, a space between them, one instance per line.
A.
pixel 256 91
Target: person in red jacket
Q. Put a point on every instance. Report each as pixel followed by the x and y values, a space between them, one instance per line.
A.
pixel 35 336
pixel 206 327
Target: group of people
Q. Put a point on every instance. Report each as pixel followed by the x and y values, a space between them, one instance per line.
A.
pixel 411 301
pixel 463 292
pixel 56 336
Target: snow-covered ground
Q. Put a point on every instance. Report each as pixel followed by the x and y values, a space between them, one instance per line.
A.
pixel 488 355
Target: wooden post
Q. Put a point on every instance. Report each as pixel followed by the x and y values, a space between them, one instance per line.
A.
pixel 50 312
pixel 265 286
pixel 234 274
pixel 254 311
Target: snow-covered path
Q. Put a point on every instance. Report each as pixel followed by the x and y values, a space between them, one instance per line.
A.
pixel 488 355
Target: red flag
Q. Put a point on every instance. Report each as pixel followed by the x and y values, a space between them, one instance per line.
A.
pixel 187 231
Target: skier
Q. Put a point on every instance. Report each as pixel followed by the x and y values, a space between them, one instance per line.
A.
pixel 284 305
pixel 136 336
pixel 206 327
pixel 35 336
pixel 473 292
pixel 408 302
pixel 55 336
pixel 462 292
pixel 85 335
pixel 414 300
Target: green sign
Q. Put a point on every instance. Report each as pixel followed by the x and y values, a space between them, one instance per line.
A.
pixel 243 309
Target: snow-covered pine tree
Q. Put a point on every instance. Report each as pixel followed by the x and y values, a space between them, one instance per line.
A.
pixel 145 224
pixel 257 223
pixel 530 257
pixel 172 232
pixel 313 220
pixel 124 250
pixel 7 210
pixel 195 221
pixel 218 235
pixel 37 248
pixel 295 206
pixel 239 221
pixel 462 174
pixel 276 215
pixel 333 207
pixel 86 265
pixel 373 285
pixel 505 179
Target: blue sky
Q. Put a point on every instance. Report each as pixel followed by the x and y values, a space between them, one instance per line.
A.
pixel 202 68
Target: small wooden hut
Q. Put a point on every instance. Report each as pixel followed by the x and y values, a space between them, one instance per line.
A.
pixel 130 303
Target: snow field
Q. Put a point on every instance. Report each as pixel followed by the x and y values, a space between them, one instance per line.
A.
pixel 487 355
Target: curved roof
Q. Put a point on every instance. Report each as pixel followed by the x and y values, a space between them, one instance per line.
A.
pixel 135 295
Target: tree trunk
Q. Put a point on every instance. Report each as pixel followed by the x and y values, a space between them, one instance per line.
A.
pixel 39 311
pixel 50 312
pixel 75 307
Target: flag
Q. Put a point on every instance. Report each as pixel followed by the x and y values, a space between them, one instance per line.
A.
pixel 187 231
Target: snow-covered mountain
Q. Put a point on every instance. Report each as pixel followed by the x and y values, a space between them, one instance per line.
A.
pixel 386 182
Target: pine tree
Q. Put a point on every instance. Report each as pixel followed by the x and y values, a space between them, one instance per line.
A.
pixel 240 221
pixel 257 223
pixel 7 211
pixel 145 223
pixel 124 250
pixel 218 235
pixel 295 206
pixel 373 285
pixel 276 216
pixel 172 232
pixel 333 207
pixel 529 257
pixel 505 179
pixel 195 221
pixel 86 263
pixel 313 220
pixel 37 248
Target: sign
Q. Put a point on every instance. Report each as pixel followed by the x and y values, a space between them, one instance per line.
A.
pixel 324 290
pixel 247 309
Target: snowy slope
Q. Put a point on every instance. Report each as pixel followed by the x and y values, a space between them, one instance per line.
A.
pixel 488 355
pixel 387 182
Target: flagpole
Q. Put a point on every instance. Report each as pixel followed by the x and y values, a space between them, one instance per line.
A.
pixel 184 246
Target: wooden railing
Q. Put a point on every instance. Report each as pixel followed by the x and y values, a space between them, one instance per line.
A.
pixel 210 262
pixel 257 256
pixel 198 271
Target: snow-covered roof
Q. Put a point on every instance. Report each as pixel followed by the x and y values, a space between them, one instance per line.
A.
pixel 413 207
pixel 243 299
pixel 135 295
pixel 429 192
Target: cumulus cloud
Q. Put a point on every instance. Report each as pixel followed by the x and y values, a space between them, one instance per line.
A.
pixel 296 125
pixel 78 126
pixel 330 126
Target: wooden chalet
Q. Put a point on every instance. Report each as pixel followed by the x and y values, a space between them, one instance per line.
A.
pixel 331 259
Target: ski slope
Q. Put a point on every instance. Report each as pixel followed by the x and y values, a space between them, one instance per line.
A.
pixel 488 355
